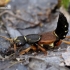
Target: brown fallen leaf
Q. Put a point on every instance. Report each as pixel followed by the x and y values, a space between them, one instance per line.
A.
pixel 4 2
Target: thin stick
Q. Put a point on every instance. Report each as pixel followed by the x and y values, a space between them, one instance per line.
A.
pixel 14 64
pixel 16 16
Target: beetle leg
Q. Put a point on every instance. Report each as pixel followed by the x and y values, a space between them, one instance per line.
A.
pixel 42 49
pixel 67 42
pixel 15 47
pixel 67 36
pixel 25 51
pixel 33 48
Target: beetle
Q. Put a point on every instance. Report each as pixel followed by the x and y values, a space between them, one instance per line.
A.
pixel 41 41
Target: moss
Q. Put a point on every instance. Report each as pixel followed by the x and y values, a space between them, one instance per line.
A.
pixel 65 3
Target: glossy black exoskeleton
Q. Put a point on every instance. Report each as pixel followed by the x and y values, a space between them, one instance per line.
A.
pixel 20 41
pixel 32 38
pixel 29 39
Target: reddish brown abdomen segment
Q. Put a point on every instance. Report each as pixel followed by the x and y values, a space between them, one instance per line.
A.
pixel 47 38
pixel 58 43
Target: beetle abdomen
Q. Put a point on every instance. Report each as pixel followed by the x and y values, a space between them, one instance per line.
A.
pixel 62 27
pixel 33 38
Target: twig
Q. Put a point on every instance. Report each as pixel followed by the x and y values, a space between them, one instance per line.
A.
pixel 16 16
pixel 4 8
pixel 14 64
pixel 20 18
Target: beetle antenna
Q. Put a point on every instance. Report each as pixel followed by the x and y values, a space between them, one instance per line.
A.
pixel 11 40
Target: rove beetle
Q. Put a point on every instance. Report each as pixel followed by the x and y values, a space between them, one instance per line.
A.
pixel 41 41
